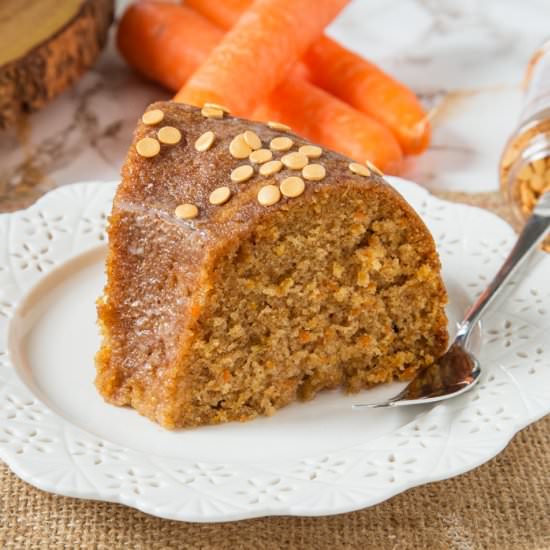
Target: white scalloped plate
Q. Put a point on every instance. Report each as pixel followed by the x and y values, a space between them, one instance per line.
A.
pixel 309 459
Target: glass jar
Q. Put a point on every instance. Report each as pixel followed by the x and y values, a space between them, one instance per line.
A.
pixel 525 163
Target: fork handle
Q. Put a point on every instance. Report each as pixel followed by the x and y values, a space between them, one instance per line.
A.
pixel 532 234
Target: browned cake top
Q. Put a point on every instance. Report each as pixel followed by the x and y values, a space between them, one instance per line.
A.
pixel 197 166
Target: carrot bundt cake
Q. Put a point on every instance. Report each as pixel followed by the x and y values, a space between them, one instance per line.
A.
pixel 248 268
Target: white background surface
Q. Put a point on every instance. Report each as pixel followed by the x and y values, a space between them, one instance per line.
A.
pixel 468 56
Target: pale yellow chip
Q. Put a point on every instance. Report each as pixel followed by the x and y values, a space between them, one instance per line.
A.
pixel 359 169
pixel 252 139
pixel 311 151
pixel 148 147
pixel 205 141
pixel 292 186
pixel 374 168
pixel 278 126
pixel 260 156
pixel 295 161
pixel 281 143
pixel 242 173
pixel 152 117
pixel 169 135
pixel 212 112
pixel 271 167
pixel 186 211
pixel 314 172
pixel 539 166
pixel 525 172
pixel 269 195
pixel 220 195
pixel 217 106
pixel 238 147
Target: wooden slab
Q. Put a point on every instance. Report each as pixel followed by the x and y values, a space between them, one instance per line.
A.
pixel 45 45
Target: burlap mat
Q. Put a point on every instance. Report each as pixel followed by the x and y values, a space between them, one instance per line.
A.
pixel 504 504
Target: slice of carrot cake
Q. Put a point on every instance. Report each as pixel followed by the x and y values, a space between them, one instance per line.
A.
pixel 248 268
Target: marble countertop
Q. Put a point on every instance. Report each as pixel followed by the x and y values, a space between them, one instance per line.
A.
pixel 466 59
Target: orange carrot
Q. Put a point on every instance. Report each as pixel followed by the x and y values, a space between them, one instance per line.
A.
pixel 223 14
pixel 258 53
pixel 226 13
pixel 165 42
pixel 347 76
pixel 314 113
pixel 367 88
pixel 311 112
